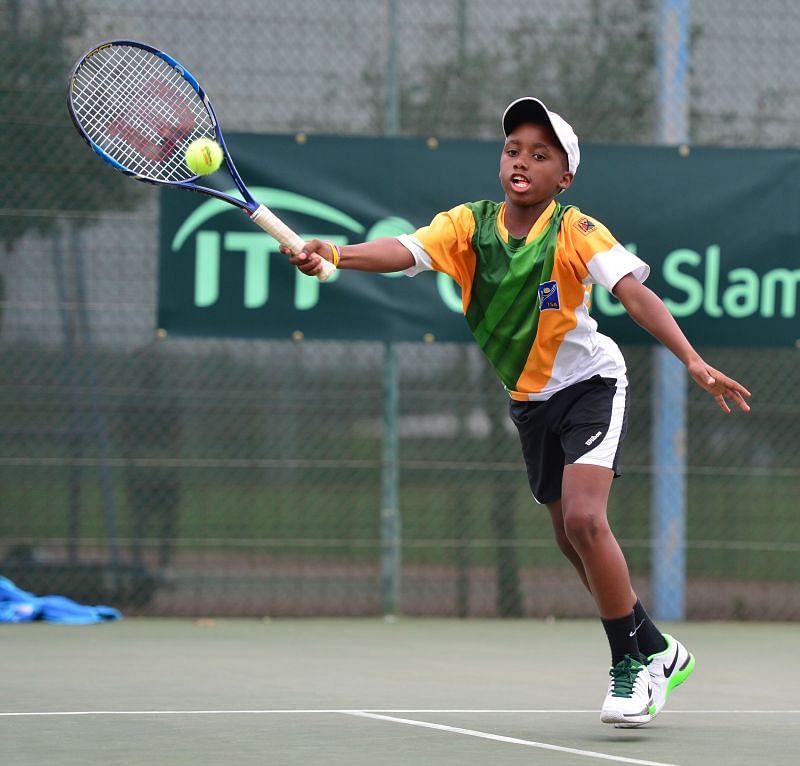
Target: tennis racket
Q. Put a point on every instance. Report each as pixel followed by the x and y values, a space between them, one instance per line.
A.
pixel 139 109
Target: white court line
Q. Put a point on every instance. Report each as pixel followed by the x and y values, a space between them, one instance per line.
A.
pixel 511 740
pixel 326 711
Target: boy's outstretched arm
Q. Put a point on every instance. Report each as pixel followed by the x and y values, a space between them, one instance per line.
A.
pixel 384 255
pixel 649 311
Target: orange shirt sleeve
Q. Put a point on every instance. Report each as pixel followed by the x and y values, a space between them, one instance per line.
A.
pixel 595 253
pixel 448 242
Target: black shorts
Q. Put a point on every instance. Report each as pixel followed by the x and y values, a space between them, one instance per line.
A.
pixel 583 423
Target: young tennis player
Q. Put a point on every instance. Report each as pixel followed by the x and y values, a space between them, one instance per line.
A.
pixel 526 267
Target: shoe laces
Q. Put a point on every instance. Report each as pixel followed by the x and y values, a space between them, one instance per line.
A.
pixel 624 675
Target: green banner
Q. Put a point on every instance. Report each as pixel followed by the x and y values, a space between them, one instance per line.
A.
pixel 720 229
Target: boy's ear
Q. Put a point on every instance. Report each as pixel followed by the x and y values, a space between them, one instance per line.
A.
pixel 566 181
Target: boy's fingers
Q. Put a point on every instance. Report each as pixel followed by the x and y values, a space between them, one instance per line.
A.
pixel 742 404
pixel 722 388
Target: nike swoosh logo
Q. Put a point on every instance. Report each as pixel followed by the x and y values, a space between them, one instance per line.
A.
pixel 669 670
pixel 633 632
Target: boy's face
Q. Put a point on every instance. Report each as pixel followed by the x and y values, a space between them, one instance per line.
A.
pixel 533 165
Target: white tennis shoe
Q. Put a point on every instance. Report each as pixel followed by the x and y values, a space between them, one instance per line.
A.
pixel 630 696
pixel 667 670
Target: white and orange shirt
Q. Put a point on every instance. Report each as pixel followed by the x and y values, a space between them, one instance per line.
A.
pixel 527 301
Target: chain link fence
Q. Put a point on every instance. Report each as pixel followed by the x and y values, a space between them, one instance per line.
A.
pixel 206 476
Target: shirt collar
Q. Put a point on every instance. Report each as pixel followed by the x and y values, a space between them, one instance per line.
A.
pixel 537 228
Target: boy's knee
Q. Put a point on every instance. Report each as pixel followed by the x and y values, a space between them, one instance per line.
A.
pixel 583 528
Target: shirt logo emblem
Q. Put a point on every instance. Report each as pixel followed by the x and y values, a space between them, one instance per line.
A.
pixel 585 226
pixel 589 442
pixel 548 296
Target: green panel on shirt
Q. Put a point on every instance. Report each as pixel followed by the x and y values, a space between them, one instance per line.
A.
pixel 503 313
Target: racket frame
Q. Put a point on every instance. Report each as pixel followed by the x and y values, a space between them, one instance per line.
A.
pixel 258 213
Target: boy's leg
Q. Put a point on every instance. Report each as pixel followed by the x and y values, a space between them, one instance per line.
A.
pixel 648 636
pixel 564 545
pixel 584 499
pixel 556 437
pixel 586 539
pixel 669 663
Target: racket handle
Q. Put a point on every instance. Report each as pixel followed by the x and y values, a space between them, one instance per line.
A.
pixel 270 222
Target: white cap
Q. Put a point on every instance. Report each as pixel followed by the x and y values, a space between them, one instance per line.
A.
pixel 529 109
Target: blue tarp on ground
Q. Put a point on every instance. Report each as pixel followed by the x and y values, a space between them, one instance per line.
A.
pixel 17 605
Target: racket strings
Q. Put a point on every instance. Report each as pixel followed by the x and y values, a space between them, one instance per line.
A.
pixel 140 111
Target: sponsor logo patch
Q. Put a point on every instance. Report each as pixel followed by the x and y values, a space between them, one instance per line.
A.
pixel 585 225
pixel 548 296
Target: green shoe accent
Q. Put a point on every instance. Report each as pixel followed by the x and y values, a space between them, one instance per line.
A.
pixel 679 676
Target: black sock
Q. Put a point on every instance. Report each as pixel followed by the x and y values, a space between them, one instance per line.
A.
pixel 647 634
pixel 622 638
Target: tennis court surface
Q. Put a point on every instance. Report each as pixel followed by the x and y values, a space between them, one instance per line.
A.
pixel 154 692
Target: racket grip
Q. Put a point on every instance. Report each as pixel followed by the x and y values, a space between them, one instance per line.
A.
pixel 273 225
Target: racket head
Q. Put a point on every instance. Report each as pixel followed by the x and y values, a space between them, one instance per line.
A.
pixel 138 109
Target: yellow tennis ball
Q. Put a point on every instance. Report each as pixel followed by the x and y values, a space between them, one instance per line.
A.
pixel 203 156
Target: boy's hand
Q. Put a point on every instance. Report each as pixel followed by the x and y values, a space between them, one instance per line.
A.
pixel 719 385
pixel 309 259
